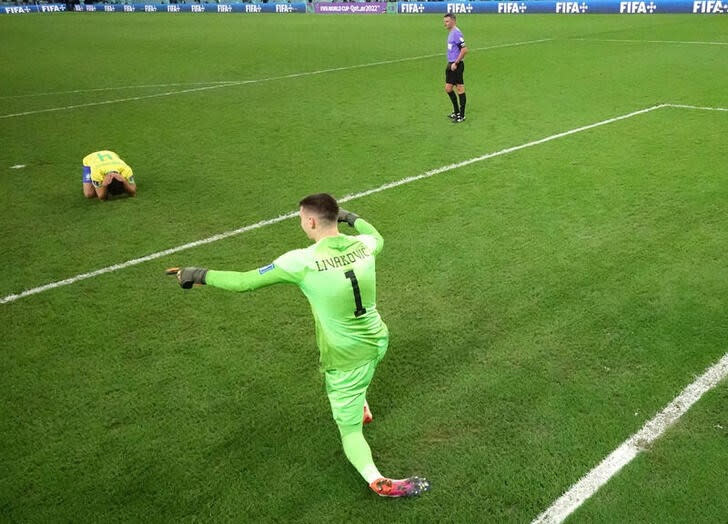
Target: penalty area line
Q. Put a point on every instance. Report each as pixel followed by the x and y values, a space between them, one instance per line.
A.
pixel 153 256
pixel 624 454
pixel 700 108
pixel 651 431
pixel 347 198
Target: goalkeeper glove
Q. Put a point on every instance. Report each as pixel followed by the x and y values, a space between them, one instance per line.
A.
pixel 347 216
pixel 188 276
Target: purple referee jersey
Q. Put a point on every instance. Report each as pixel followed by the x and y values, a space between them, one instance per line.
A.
pixel 455 41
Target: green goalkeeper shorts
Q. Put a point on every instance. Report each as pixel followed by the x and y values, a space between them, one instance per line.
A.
pixel 347 391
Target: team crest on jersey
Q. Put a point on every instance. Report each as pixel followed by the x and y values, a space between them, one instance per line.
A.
pixel 265 269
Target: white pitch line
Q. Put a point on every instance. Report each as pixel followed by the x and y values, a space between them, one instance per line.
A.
pixel 498 153
pixel 189 84
pixel 129 263
pixel 684 42
pixel 116 100
pixel 701 108
pixel 260 80
pixel 257 225
pixel 117 88
pixel 620 457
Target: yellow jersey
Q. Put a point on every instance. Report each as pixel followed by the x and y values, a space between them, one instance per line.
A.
pixel 98 164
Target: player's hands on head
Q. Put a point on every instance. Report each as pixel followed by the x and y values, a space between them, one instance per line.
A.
pixel 188 276
pixel 347 216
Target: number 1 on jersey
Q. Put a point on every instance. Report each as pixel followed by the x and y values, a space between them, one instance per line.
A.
pixel 360 310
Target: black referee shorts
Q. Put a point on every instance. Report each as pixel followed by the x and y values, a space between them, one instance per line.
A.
pixel 455 77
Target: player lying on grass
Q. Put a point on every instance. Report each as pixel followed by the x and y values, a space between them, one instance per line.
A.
pixel 105 174
pixel 337 275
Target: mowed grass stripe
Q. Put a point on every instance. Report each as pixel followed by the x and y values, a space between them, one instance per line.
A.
pixel 687 464
pixel 624 454
pixel 257 81
pixel 83 276
pixel 649 41
pixel 213 152
pixel 542 306
pixel 504 311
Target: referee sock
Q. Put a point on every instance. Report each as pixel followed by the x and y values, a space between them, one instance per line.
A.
pixel 359 454
pixel 462 104
pixel 454 100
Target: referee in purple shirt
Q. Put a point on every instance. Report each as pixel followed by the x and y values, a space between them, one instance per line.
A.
pixel 456 51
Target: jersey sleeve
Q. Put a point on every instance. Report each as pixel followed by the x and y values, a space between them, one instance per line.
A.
pixel 460 40
pixel 127 173
pixel 96 177
pixel 244 281
pixel 369 235
pixel 288 268
pixel 294 265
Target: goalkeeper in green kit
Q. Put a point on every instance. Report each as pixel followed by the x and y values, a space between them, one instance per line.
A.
pixel 337 275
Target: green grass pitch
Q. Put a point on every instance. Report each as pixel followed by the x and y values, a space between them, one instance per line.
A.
pixel 543 304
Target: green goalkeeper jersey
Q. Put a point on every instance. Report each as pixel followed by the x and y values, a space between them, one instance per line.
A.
pixel 337 275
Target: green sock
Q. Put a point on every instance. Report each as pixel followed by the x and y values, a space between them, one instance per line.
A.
pixel 358 452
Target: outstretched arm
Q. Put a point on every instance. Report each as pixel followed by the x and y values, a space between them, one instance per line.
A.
pixel 248 280
pixel 230 280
